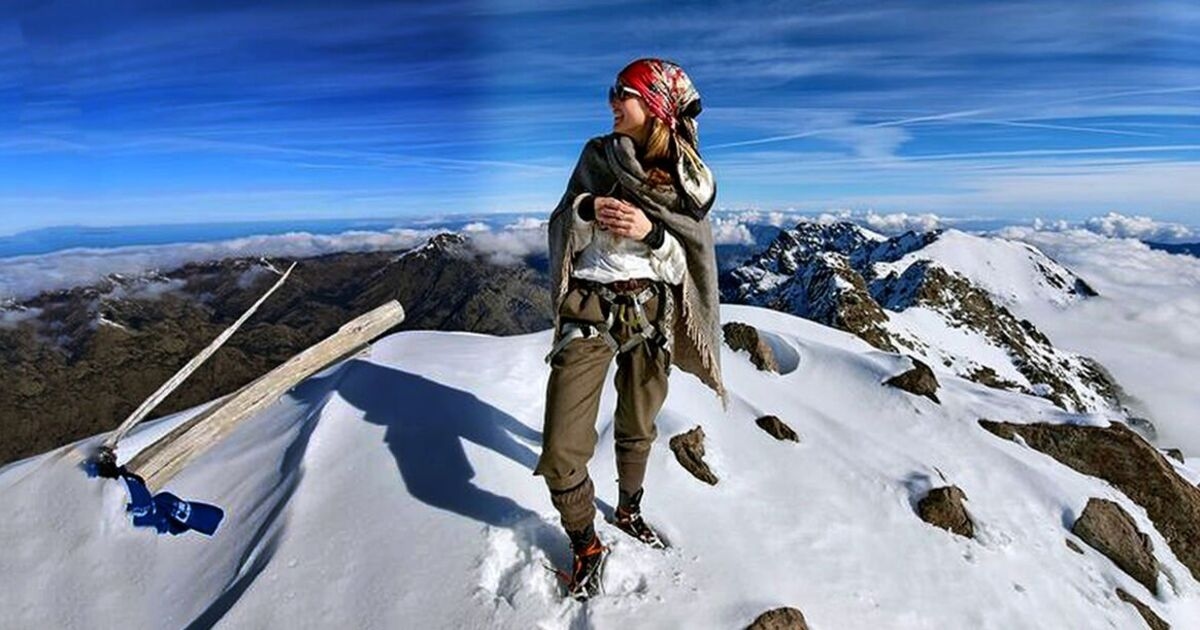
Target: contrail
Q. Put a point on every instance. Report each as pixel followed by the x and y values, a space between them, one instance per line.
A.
pixel 1021 153
pixel 952 115
pixel 1017 123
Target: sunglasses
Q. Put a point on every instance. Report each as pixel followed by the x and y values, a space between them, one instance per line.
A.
pixel 621 92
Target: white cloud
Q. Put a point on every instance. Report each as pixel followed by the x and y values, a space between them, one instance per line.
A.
pixel 13 318
pixel 731 231
pixel 1052 226
pixel 776 218
pixel 891 223
pixel 24 276
pixel 1145 326
pixel 510 245
pixel 150 290
pixel 527 223
pixel 1143 228
pixel 835 216
pixel 1117 225
pixel 900 222
pixel 476 226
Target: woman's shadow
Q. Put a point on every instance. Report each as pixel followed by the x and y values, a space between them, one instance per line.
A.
pixel 426 424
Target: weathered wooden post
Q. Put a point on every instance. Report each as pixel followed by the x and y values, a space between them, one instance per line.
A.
pixel 158 463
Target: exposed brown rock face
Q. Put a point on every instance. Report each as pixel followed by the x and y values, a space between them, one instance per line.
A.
pixel 837 295
pixel 779 619
pixel 1121 457
pixel 777 428
pixel 943 508
pixel 919 381
pixel 1073 546
pixel 1110 530
pixel 739 336
pixel 967 305
pixel 987 376
pixel 1154 621
pixel 92 354
pixel 689 452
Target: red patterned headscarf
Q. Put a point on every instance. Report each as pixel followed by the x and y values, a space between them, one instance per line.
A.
pixel 666 88
pixel 671 98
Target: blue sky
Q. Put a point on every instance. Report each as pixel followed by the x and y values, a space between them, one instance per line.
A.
pixel 119 113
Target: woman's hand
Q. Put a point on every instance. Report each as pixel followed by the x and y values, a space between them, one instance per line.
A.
pixel 622 218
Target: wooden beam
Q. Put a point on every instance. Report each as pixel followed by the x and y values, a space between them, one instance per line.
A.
pixel 158 463
pixel 175 381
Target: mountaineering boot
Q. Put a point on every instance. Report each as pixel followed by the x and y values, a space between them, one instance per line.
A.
pixel 628 518
pixel 588 568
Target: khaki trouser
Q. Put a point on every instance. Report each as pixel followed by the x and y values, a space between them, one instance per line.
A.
pixel 573 401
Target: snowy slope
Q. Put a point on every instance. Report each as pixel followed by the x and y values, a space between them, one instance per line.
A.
pixel 1013 272
pixel 394 490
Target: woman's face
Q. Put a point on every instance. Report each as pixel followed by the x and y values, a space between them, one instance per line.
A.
pixel 630 117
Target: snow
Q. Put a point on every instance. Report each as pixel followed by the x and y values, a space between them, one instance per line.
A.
pixel 394 490
pixel 1012 272
pixel 963 349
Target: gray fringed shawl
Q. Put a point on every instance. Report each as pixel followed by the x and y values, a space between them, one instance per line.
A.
pixel 609 167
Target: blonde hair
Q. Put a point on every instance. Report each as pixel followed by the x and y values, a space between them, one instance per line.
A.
pixel 656 155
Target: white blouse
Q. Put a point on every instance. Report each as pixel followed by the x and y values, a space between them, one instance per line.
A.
pixel 606 257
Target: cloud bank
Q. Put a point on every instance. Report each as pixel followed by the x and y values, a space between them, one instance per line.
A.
pixel 25 276
pixel 1144 327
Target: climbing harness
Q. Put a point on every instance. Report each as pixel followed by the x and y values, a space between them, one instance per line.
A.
pixel 628 309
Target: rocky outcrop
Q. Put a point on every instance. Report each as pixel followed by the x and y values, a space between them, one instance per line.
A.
pixel 1175 454
pixel 943 508
pixel 814 271
pixel 779 619
pixel 1121 457
pixel 689 452
pixel 918 381
pixel 777 428
pixel 830 291
pixel 1110 530
pixel 739 336
pixel 91 354
pixel 1154 621
pixel 966 306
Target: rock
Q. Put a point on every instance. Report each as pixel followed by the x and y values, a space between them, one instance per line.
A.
pixel 689 451
pixel 1108 528
pixel 739 336
pixel 1154 621
pixel 1073 546
pixel 777 428
pixel 1121 457
pixel 919 380
pixel 943 508
pixel 1175 454
pixel 779 619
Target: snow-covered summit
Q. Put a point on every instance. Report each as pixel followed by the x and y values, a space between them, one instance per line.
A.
pixel 395 490
pixel 1014 273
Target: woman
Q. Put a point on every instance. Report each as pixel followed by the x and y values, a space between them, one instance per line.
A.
pixel 634 277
